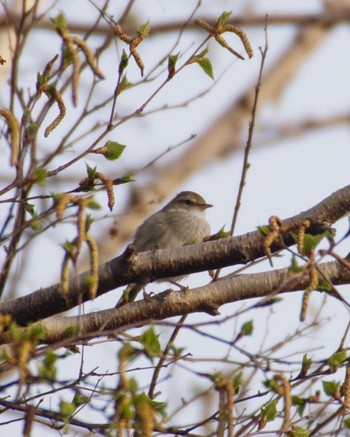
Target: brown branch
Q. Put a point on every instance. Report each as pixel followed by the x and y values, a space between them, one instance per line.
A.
pixel 304 20
pixel 129 268
pixel 172 303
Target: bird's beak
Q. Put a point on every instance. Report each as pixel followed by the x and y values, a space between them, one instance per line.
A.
pixel 207 205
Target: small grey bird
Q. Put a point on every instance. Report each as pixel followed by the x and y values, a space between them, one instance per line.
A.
pixel 181 221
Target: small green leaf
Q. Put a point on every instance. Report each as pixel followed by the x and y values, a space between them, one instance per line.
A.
pixel 237 382
pixel 67 408
pixel 337 359
pixel 202 54
pixel 124 84
pixel 36 225
pixel 124 180
pixel 79 399
pixel 270 411
pixel 206 66
pixel 215 377
pixel 91 172
pixel 306 365
pixel 60 21
pixel 40 174
pixel 247 328
pixel 221 233
pixel 264 230
pixel 172 60
pixel 331 388
pixel 70 331
pixel 224 17
pixel 48 367
pixel 29 207
pixel 311 242
pixel 297 431
pixel 294 266
pixel 123 62
pixel 324 285
pixel 114 150
pixel 144 29
pixel 269 302
pixel 40 80
pixel 270 384
pixel 68 247
pixel 89 281
pixel 150 340
pixel 347 423
pixel 300 403
pixel 93 204
pixel 15 332
pixel 89 219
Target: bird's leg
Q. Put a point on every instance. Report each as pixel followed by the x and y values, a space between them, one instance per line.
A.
pixel 182 287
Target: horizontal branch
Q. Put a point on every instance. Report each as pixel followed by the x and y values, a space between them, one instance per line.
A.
pixel 131 267
pixel 202 299
pixel 324 19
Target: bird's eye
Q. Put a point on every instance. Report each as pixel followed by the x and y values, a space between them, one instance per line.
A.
pixel 188 202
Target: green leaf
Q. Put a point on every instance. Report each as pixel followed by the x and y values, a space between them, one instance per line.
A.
pixel 331 388
pixel 48 367
pixel 172 60
pixel 150 341
pixel 40 174
pixel 325 285
pixel 337 359
pixel 221 233
pixel 206 66
pixel 270 411
pixel 67 408
pixel 93 204
pixel 79 399
pixel 270 384
pixel 29 207
pixel 269 302
pixel 297 431
pixel 347 423
pixel 300 403
pixel 89 219
pixel 40 80
pixel 237 382
pixel 224 17
pixel 311 242
pixel 202 54
pixel 306 364
pixel 68 247
pixel 91 172
pixel 123 62
pixel 71 331
pixel 294 266
pixel 36 225
pixel 247 328
pixel 60 21
pixel 144 29
pixel 215 377
pixel 264 230
pixel 15 332
pixel 114 150
pixel 124 179
pixel 124 84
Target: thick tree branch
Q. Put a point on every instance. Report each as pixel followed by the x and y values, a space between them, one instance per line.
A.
pixel 202 299
pixel 131 267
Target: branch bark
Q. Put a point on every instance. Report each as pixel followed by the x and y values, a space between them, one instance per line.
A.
pixel 175 303
pixel 131 267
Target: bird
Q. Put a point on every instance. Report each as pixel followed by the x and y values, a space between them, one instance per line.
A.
pixel 181 221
